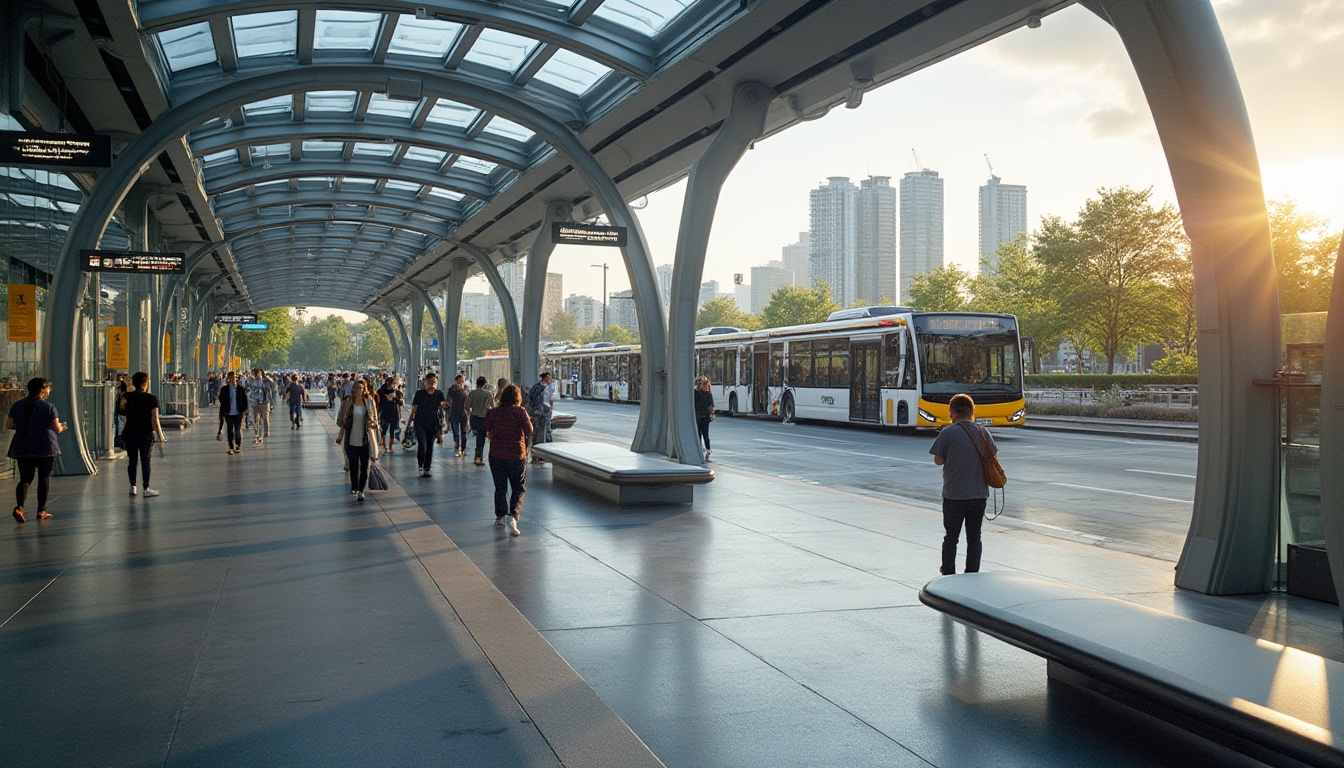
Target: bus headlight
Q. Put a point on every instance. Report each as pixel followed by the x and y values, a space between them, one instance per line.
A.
pixel 926 416
pixel 1021 412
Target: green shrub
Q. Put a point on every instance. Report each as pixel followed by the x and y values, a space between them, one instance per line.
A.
pixel 1063 409
pixel 1101 381
pixel 1146 412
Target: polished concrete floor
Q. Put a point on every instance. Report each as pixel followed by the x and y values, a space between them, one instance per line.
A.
pixel 255 614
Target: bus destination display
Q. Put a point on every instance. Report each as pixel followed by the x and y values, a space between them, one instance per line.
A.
pixel 572 233
pixel 134 262
pixel 254 326
pixel 237 319
pixel 65 151
pixel 966 324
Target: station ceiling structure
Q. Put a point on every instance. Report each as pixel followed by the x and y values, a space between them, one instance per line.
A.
pixel 337 196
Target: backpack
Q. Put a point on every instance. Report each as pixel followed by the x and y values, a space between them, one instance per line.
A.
pixel 536 397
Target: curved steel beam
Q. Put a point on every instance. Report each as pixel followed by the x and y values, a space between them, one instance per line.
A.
pixel 429 206
pixel 512 329
pixel 339 238
pixel 439 328
pixel 276 246
pixel 502 152
pixel 258 223
pixel 627 55
pixel 218 182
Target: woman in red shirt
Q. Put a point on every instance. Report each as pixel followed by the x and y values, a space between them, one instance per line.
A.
pixel 509 428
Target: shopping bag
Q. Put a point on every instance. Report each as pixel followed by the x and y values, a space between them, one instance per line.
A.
pixel 378 478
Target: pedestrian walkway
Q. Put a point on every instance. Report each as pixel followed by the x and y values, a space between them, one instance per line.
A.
pixel 255 614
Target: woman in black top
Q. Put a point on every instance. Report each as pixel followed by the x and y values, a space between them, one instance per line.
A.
pixel 142 426
pixel 35 424
pixel 704 409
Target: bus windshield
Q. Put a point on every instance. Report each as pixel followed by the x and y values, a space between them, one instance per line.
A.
pixel 959 353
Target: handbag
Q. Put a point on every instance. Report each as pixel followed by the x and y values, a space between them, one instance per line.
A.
pixel 995 477
pixel 378 478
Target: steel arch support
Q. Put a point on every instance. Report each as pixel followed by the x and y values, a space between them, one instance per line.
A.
pixel 438 324
pixel 391 340
pixel 534 289
pixel 88 225
pixel 405 343
pixel 512 331
pixel 452 312
pixel 1183 65
pixel 417 340
pixel 745 124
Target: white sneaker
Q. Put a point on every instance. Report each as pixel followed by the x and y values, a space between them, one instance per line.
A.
pixel 132 490
pixel 150 492
pixel 513 527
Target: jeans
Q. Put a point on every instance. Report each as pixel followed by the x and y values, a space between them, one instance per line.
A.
pixel 234 426
pixel 541 426
pixel 295 413
pixel 358 456
pixel 138 452
pixel 509 474
pixel 28 466
pixel 478 424
pixel 424 446
pixel 261 421
pixel 957 512
pixel 703 425
pixel 459 432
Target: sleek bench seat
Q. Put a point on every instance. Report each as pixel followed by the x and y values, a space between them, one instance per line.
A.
pixel 1278 705
pixel 619 475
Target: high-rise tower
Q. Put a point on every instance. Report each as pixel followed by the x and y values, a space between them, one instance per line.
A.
pixel 921 226
pixel 1003 216
pixel 833 238
pixel 875 253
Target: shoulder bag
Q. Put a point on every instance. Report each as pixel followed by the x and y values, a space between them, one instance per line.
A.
pixel 995 477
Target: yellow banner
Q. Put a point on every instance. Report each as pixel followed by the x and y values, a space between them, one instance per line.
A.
pixel 23 313
pixel 118 347
pixel 210 356
pixel 219 355
pixel 167 349
pixel 235 363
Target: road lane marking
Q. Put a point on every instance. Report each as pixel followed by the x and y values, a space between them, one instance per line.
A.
pixel 1155 472
pixel 795 444
pixel 1126 493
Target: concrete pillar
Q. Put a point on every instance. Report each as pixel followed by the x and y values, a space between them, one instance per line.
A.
pixel 512 330
pixel 1332 429
pixel 406 355
pixel 416 337
pixel 744 125
pixel 392 340
pixel 534 292
pixel 446 361
pixel 1187 75
pixel 452 314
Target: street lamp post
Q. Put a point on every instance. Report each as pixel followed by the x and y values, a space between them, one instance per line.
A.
pixel 604 298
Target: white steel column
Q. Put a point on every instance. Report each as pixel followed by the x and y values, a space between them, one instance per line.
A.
pixel 534 291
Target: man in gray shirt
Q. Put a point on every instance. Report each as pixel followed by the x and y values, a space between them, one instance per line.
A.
pixel 957 450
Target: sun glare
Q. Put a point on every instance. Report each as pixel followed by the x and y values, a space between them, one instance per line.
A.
pixel 1317 186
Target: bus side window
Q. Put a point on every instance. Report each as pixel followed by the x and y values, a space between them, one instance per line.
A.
pixel 891 360
pixel 907 362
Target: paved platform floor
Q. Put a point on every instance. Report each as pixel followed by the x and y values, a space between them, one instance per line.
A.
pixel 255 614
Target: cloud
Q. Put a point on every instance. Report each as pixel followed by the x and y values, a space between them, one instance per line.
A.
pixel 1111 122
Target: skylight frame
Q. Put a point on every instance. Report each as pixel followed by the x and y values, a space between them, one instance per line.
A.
pixel 339 30
pixel 409 29
pixel 265 34
pixel 501 51
pixel 181 48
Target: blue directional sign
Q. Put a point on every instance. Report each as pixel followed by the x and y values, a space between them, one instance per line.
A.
pixel 253 326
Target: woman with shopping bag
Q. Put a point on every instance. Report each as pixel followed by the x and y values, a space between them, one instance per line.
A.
pixel 358 422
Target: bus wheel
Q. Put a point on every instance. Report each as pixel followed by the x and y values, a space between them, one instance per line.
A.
pixel 732 404
pixel 786 409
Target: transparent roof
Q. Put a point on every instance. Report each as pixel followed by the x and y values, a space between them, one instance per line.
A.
pixel 501 50
pixel 647 17
pixel 275 105
pixel 571 72
pixel 220 158
pixel 274 33
pixel 451 113
pixel 187 47
pixel 445 193
pixel 322 145
pixel 373 149
pixel 330 101
pixel 402 186
pixel 346 30
pixel 379 104
pixel 423 37
pixel 501 126
pixel 475 165
pixel 425 155
pixel 265 152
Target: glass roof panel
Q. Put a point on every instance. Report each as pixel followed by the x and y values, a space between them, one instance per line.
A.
pixel 571 72
pixel 501 50
pixel 475 165
pixel 446 193
pixel 346 30
pixel 500 126
pixel 451 113
pixel 273 106
pixel 374 149
pixel 220 158
pixel 381 105
pixel 273 33
pixel 358 183
pixel 330 101
pixel 320 145
pixel 402 186
pixel 423 37
pixel 270 186
pixel 425 155
pixel 264 152
pixel 187 47
pixel 647 17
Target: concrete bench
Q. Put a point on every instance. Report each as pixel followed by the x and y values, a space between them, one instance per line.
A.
pixel 1280 706
pixel 618 475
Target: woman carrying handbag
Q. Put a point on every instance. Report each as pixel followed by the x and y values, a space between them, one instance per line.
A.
pixel 358 422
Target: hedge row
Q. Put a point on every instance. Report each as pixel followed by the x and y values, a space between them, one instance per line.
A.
pixel 1101 381
pixel 1142 412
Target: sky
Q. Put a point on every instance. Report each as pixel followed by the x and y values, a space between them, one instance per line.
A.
pixel 1057 109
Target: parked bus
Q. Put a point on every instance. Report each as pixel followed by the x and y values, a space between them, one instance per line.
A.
pixel 493 365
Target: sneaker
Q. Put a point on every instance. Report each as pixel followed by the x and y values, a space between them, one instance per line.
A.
pixel 513 527
pixel 219 436
pixel 499 521
pixel 480 462
pixel 43 514
pixel 132 490
pixel 150 492
pixel 360 497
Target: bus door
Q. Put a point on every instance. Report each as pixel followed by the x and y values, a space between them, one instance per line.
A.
pixel 586 376
pixel 636 376
pixel 760 378
pixel 864 392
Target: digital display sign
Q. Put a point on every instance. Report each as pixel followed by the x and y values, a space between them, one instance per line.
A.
pixel 133 262
pixel 244 318
pixel 963 324
pixel 61 151
pixel 573 233
pixel 254 326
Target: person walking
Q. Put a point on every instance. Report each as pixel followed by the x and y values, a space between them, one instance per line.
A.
pixel 35 425
pixel 704 410
pixel 358 422
pixel 540 405
pixel 509 427
pixel 232 407
pixel 142 428
pixel 259 406
pixel 457 414
pixel 957 450
pixel 389 412
pixel 295 396
pixel 424 418
pixel 479 403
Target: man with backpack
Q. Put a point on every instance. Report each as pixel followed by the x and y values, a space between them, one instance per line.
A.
pixel 960 449
pixel 540 403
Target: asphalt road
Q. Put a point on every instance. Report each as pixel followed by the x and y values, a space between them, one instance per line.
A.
pixel 1126 494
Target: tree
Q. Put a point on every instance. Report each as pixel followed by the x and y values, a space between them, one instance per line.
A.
pixel 563 327
pixel 321 344
pixel 616 334
pixel 795 305
pixel 722 310
pixel 1017 285
pixel 1304 254
pixel 1106 268
pixel 270 347
pixel 372 347
pixel 942 290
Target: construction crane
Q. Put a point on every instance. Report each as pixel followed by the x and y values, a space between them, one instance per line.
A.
pixel 991 165
pixel 918 164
